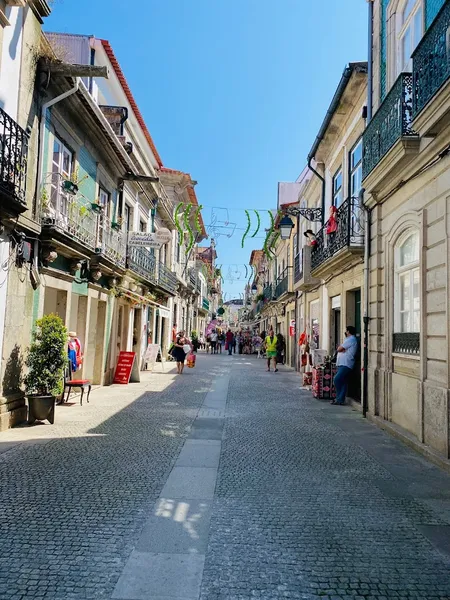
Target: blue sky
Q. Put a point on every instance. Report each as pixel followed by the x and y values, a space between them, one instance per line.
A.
pixel 233 91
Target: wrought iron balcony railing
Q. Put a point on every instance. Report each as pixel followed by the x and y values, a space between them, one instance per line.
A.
pixel 111 243
pixel 282 285
pixel 70 215
pixel 167 279
pixel 431 60
pixel 298 266
pixel 142 262
pixel 350 233
pixel 193 277
pixel 391 122
pixel 13 162
pixel 205 303
pixel 406 343
pixel 268 292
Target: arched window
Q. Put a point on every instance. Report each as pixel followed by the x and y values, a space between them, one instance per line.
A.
pixel 407 284
pixel 410 18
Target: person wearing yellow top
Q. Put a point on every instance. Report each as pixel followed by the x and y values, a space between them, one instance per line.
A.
pixel 271 349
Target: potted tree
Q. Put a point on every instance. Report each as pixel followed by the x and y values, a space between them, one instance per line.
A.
pixel 46 361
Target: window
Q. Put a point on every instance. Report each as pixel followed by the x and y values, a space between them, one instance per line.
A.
pixel 356 170
pixel 355 164
pixel 407 285
pixel 142 226
pixel 128 220
pixel 337 189
pixel 104 200
pixel 409 32
pixel 62 166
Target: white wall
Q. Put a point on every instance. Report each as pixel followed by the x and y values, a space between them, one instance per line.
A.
pixel 4 254
pixel 11 61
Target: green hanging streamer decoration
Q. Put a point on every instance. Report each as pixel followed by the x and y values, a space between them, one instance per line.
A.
pixel 258 224
pixel 198 226
pixel 219 273
pixel 188 227
pixel 177 223
pixel 272 245
pixel 269 233
pixel 249 224
pixel 246 271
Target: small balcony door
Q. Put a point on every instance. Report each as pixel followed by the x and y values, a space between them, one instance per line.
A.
pixel 62 167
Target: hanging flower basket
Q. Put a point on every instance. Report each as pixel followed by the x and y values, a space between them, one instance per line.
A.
pixel 96 207
pixel 115 226
pixel 70 187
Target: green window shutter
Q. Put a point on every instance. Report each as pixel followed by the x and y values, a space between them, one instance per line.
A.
pixel 383 48
pixel 432 7
pixel 88 169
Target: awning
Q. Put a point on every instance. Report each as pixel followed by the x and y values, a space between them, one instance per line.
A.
pixel 163 310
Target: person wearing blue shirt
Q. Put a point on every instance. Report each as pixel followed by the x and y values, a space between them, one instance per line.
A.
pixel 346 354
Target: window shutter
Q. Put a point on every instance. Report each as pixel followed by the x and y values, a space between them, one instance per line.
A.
pixel 88 167
pixel 383 48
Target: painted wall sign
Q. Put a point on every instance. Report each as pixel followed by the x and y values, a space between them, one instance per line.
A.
pixel 124 367
pixel 163 235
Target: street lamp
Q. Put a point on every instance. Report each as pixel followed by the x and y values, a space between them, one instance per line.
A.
pixel 286 226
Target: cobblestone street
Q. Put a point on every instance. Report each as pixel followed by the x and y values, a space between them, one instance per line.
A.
pixel 227 483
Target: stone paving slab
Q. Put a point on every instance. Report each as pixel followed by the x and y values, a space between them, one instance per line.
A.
pixel 177 527
pixel 203 454
pixel 207 428
pixel 150 576
pixel 190 482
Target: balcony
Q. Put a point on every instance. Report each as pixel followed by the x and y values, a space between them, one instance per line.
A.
pixel 205 304
pixel 431 76
pixel 283 285
pixel 298 266
pixel 111 243
pixel 335 249
pixel 68 218
pixel 166 279
pixel 142 262
pixel 268 292
pixel 306 281
pixel 392 123
pixel 13 165
pixel 193 277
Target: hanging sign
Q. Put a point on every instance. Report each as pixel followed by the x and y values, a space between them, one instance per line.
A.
pixel 144 239
pixel 163 235
pixel 124 367
pixel 151 356
pixel 292 328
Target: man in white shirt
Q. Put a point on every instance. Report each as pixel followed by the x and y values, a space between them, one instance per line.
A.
pixel 346 354
pixel 214 338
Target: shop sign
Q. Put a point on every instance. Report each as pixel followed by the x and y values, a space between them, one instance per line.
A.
pixel 151 356
pixel 144 239
pixel 124 367
pixel 292 328
pixel 163 235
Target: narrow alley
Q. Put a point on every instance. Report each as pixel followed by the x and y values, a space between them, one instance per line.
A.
pixel 224 483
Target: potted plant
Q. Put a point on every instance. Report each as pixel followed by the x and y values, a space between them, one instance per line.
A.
pixel 46 361
pixel 70 187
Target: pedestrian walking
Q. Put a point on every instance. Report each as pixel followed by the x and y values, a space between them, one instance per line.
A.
pixel 180 349
pixel 221 341
pixel 229 342
pixel 345 363
pixel 257 344
pixel 240 342
pixel 281 349
pixel 270 344
pixel 214 338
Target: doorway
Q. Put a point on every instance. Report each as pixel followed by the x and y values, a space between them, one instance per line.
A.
pixel 354 318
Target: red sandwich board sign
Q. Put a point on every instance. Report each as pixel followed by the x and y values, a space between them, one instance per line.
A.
pixel 124 367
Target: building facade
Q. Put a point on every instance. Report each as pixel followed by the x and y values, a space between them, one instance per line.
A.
pixel 406 176
pixel 83 181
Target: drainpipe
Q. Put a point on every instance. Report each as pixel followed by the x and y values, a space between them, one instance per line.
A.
pixel 370 63
pixel 366 304
pixel 322 179
pixel 44 109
